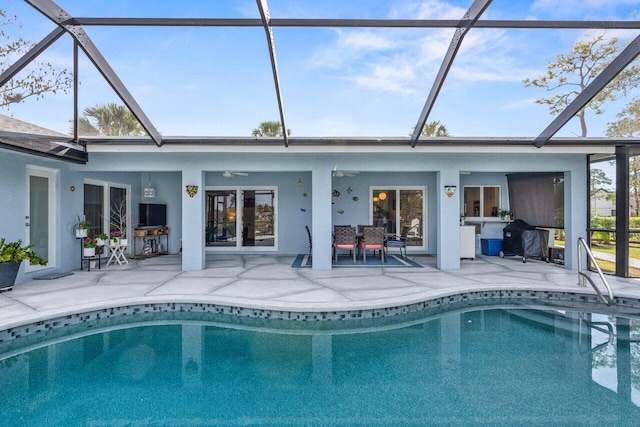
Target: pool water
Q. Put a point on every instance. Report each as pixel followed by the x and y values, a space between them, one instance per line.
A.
pixel 493 366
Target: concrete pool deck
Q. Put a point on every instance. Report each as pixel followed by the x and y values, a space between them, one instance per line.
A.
pixel 269 282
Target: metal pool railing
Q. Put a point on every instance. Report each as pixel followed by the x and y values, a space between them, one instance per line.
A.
pixel 583 278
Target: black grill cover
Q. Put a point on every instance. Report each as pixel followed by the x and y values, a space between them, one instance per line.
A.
pixel 512 237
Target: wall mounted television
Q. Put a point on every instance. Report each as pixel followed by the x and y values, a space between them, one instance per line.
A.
pixel 152 215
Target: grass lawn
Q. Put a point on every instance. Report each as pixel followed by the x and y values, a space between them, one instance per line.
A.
pixel 607 266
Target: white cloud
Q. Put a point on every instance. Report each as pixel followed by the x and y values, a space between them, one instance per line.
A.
pixel 405 61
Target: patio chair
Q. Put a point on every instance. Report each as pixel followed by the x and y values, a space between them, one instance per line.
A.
pixel 399 242
pixel 310 239
pixel 344 238
pixel 372 239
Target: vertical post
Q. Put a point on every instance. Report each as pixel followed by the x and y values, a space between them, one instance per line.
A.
pixel 193 257
pixel 76 119
pixel 448 219
pixel 321 221
pixel 622 211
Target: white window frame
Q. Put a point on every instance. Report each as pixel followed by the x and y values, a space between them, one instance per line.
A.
pixel 238 246
pixel 482 187
pixel 425 216
pixel 106 208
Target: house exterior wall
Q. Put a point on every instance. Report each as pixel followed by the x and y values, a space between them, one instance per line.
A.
pixel 69 204
pixel 284 168
pixel 600 205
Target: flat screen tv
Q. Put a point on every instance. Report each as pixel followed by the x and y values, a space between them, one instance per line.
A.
pixel 152 215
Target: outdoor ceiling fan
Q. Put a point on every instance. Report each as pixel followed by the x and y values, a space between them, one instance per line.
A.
pixel 339 174
pixel 229 174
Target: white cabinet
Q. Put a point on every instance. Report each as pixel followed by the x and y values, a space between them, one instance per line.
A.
pixel 468 241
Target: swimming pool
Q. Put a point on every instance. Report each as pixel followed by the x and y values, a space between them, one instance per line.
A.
pixel 464 364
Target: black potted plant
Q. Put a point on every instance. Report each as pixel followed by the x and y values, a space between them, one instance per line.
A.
pixel 11 256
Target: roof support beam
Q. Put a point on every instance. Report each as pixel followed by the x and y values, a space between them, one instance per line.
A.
pixel 352 23
pixel 31 55
pixel 60 17
pixel 613 69
pixel 264 14
pixel 472 15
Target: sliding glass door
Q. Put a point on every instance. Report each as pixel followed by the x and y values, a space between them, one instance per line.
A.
pixel 249 224
pixel 398 209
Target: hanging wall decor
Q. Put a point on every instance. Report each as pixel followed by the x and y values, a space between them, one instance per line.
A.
pixel 450 190
pixel 192 190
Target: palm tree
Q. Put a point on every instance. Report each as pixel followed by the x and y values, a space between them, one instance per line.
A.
pixel 269 128
pixel 109 120
pixel 433 128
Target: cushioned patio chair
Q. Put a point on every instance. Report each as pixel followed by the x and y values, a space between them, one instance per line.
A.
pixel 373 240
pixel 344 238
pixel 399 242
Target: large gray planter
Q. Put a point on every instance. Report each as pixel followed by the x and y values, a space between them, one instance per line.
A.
pixel 8 273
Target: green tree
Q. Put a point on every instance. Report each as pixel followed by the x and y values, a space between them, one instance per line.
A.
pixel 571 73
pixel 109 120
pixel 41 79
pixel 628 123
pixel 434 128
pixel 269 128
pixel 599 179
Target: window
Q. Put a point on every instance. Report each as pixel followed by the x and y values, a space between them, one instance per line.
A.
pixel 481 201
pixel 99 195
pixel 251 223
pixel 400 208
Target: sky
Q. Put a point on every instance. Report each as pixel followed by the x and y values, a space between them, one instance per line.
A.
pixel 334 81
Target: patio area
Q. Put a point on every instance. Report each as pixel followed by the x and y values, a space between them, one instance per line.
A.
pixel 268 282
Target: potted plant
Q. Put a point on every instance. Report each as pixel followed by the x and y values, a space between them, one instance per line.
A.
pixel 505 214
pixel 102 239
pixel 80 227
pixel 116 235
pixel 89 249
pixel 11 256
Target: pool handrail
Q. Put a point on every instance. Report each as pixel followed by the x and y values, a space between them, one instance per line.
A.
pixel 583 277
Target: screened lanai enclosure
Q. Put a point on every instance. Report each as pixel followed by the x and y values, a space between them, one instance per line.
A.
pixel 450 109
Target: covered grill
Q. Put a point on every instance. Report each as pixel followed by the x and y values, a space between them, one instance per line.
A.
pixel 522 239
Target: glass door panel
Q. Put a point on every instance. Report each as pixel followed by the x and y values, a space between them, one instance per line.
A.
pixel 411 204
pixel 258 218
pixel 94 208
pixel 384 209
pixel 118 210
pixel 41 216
pixel 221 218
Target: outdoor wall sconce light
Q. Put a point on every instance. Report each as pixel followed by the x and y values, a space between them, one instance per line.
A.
pixel 192 190
pixel 450 190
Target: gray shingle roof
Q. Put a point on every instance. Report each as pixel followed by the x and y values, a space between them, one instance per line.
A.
pixel 9 124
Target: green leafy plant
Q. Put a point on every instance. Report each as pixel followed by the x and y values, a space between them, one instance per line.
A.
pixel 504 213
pixel 103 236
pixel 15 252
pixel 80 223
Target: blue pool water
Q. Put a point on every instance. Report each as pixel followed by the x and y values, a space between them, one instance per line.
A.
pixel 502 365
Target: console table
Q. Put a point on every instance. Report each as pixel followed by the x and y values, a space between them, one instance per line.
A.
pixel 152 235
